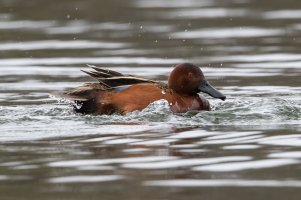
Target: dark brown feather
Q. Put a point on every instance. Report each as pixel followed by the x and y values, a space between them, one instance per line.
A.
pixel 114 79
pixel 106 71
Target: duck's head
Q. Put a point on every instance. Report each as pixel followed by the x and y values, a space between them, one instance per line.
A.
pixel 188 79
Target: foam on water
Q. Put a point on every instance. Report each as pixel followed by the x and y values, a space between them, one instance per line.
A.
pixel 52 120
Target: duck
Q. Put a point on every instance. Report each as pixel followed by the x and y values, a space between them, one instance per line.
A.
pixel 117 93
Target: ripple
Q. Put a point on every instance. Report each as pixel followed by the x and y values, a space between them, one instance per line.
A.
pixel 95 168
pixel 99 139
pixel 283 14
pixel 184 162
pixel 26 24
pixel 289 154
pixel 30 128
pixel 122 141
pixel 230 141
pixel 293 140
pixel 223 183
pixel 25 167
pixel 85 179
pixel 205 13
pixel 192 134
pixel 172 3
pixel 240 147
pixel 82 26
pixel 85 60
pixel 248 165
pixel 75 71
pixel 15 178
pixel 284 62
pixel 235 32
pixel 159 142
pixel 247 71
pixel 269 57
pixel 91 162
pixel 233 135
pixel 60 44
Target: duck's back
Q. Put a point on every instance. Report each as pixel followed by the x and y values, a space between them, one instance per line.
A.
pixel 114 93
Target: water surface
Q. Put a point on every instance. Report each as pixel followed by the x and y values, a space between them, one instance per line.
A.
pixel 247 147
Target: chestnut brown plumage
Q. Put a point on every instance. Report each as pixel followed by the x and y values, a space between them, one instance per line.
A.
pixel 119 93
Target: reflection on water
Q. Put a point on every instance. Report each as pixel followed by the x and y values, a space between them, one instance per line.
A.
pixel 247 147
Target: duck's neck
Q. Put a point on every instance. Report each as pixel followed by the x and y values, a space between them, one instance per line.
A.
pixel 182 103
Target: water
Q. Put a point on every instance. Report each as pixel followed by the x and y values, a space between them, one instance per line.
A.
pixel 247 147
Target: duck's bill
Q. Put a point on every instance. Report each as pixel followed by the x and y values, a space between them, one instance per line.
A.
pixel 208 89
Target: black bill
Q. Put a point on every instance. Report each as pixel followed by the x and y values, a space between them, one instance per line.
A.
pixel 208 89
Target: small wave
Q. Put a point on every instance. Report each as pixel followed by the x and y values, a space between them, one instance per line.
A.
pixel 57 119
